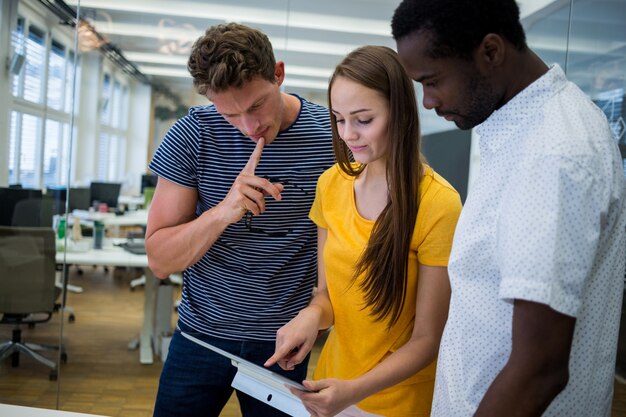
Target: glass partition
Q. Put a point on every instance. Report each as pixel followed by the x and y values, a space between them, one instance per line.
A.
pixel 92 109
pixel 37 128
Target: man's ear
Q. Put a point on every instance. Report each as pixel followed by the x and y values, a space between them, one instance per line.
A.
pixel 491 52
pixel 279 72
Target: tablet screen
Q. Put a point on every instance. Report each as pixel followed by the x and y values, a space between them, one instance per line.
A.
pixel 261 383
pixel 277 380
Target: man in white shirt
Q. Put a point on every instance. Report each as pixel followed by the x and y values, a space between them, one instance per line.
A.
pixel 537 263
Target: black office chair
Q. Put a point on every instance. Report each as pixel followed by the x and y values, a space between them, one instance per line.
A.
pixel 28 292
pixel 33 212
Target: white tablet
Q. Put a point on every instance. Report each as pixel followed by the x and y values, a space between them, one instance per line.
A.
pixel 261 383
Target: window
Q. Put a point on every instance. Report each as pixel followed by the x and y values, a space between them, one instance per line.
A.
pixel 34 71
pixel 56 75
pixel 42 102
pixel 28 150
pixel 56 144
pixel 113 129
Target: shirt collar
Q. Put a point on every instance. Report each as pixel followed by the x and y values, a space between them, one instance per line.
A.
pixel 505 121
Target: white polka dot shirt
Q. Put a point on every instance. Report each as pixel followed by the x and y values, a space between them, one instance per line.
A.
pixel 545 222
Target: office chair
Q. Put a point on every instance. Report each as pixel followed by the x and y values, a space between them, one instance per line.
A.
pixel 28 292
pixel 10 197
pixel 33 212
pixel 37 212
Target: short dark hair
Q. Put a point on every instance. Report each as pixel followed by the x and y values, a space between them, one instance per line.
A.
pixel 229 55
pixel 457 27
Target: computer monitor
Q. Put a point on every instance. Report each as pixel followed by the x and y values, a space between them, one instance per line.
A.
pixel 148 180
pixel 10 197
pixel 80 198
pixel 105 192
pixel 57 195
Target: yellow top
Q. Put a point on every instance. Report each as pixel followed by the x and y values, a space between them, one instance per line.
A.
pixel 357 343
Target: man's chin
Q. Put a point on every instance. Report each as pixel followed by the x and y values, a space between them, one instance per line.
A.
pixel 466 124
pixel 463 126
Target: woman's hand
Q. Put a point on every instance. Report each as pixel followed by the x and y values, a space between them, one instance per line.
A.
pixel 295 339
pixel 328 397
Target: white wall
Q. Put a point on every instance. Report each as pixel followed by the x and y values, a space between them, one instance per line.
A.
pixel 138 142
pixel 84 161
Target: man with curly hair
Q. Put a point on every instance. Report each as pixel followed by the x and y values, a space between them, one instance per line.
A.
pixel 236 182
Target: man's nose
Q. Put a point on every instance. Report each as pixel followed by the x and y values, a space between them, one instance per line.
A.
pixel 251 125
pixel 430 101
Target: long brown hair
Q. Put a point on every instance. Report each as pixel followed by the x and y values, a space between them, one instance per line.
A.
pixel 385 259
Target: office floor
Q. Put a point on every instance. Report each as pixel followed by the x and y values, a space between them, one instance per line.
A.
pixel 102 376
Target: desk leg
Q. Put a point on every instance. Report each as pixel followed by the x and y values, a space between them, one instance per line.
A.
pixel 145 341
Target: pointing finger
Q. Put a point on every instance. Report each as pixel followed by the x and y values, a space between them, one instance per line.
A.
pixel 255 157
pixel 281 352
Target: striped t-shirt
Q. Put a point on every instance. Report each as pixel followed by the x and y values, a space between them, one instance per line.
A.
pixel 256 277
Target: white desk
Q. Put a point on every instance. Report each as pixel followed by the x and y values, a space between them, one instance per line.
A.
pixel 131 200
pixel 111 255
pixel 19 411
pixel 130 218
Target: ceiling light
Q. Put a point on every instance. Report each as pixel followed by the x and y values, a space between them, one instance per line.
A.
pixel 245 14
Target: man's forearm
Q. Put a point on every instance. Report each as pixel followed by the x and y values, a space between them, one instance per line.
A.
pixel 518 393
pixel 173 249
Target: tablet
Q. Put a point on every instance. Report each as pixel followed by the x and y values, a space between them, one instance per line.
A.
pixel 261 383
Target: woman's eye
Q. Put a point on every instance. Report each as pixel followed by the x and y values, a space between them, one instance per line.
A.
pixel 365 122
pixel 339 121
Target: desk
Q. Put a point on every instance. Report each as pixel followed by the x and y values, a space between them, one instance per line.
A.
pixel 111 255
pixel 130 218
pixel 19 411
pixel 132 201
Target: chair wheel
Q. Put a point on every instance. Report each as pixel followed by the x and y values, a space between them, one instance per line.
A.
pixel 71 318
pixel 64 357
pixel 53 375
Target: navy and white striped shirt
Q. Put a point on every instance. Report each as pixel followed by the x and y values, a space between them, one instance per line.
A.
pixel 249 284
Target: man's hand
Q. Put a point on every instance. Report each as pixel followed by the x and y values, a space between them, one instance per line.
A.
pixel 248 192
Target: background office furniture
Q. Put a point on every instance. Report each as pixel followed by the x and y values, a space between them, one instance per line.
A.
pixel 79 198
pixel 33 212
pixel 9 197
pixel 448 153
pixel 27 288
pixel 116 256
pixel 20 411
pixel 148 180
pixel 105 192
